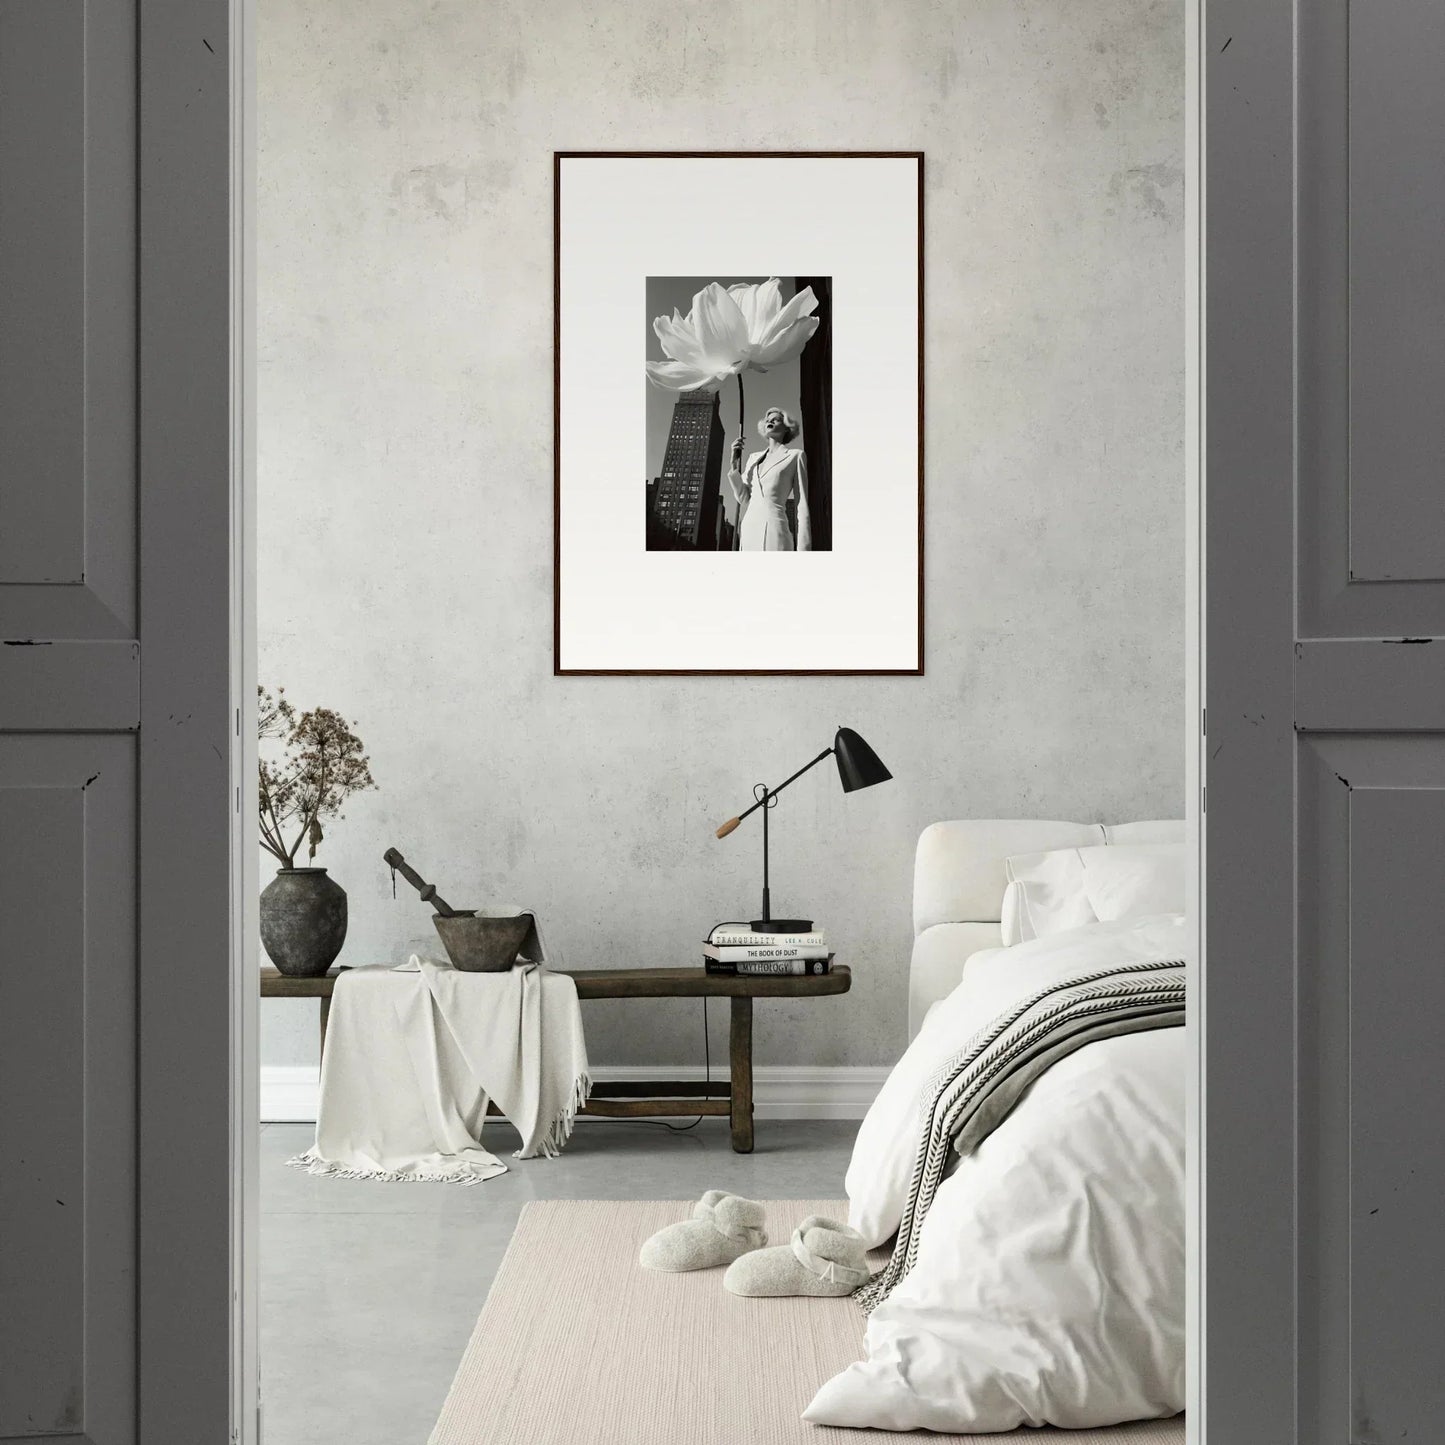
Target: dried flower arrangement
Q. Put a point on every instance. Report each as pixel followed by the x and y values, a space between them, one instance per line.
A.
pixel 322 763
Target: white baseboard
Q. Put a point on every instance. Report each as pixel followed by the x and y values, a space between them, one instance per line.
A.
pixel 288 1093
pixel 780 1091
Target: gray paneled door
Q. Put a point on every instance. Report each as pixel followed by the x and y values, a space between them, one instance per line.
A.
pixel 1324 1181
pixel 116 723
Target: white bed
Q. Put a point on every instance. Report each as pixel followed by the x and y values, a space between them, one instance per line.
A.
pixel 958 885
pixel 1048 1283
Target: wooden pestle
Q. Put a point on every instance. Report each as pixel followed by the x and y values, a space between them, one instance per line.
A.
pixel 427 890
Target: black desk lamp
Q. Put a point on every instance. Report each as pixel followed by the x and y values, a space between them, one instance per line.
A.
pixel 858 767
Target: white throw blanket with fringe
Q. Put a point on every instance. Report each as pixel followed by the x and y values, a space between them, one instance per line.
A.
pixel 414 1053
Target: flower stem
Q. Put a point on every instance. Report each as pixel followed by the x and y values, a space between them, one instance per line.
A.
pixel 741 432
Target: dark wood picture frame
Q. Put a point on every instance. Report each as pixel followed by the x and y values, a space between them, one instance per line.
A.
pixel 558 157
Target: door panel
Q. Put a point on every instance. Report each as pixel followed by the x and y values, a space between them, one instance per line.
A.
pixel 1397 1167
pixel 1396 289
pixel 70 716
pixel 67 1132
pixel 1369 713
pixel 1376 686
pixel 1325 696
pixel 1245 1354
pixel 1360 524
pixel 121 211
pixel 190 377
pixel 1371 1177
pixel 53 683
pixel 42 290
pixel 42 1195
pixel 67 316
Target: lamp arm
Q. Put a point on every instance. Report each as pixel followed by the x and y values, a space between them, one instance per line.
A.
pixel 772 792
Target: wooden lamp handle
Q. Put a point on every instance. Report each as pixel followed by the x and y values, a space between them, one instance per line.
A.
pixel 728 827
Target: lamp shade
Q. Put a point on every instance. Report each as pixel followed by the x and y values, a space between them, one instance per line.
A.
pixel 858 765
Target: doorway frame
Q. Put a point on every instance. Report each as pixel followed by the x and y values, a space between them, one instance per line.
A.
pixel 243 1062
pixel 1195 761
pixel 246 1424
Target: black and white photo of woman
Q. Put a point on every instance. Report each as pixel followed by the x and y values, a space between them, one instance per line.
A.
pixel 763 488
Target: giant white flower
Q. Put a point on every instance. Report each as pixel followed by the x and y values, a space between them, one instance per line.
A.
pixel 729 331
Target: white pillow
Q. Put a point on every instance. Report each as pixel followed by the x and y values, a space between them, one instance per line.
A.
pixel 1011 922
pixel 1133 880
pixel 1049 897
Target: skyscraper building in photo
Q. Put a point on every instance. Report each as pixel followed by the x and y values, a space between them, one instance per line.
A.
pixel 815 401
pixel 682 506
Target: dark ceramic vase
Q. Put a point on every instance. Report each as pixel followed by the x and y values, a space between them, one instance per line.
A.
pixel 303 921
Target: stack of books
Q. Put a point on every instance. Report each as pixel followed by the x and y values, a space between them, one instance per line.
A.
pixel 736 948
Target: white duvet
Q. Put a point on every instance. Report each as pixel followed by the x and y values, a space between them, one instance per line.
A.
pixel 1049 1285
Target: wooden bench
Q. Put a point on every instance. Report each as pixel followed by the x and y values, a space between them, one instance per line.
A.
pixel 620 1099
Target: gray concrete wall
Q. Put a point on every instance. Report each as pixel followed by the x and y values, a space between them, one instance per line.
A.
pixel 405 393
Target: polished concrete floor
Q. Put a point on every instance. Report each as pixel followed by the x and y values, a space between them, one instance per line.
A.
pixel 369 1291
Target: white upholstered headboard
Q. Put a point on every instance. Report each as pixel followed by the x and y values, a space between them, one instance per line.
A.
pixel 958 884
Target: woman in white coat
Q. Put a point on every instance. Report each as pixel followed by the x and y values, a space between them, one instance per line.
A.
pixel 764 486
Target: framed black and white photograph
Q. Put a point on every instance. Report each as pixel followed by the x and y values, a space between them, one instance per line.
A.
pixel 739 402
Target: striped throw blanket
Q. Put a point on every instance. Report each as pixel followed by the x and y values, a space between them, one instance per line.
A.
pixel 969 1095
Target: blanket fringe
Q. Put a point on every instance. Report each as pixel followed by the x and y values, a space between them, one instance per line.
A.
pixel 463 1174
pixel 549 1147
pixel 555 1139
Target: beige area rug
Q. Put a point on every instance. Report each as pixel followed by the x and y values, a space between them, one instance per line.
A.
pixel 579 1345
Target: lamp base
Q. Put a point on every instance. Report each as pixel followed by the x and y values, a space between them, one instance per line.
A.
pixel 781 925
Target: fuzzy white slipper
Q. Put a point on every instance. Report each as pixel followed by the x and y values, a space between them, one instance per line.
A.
pixel 824 1257
pixel 722 1228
